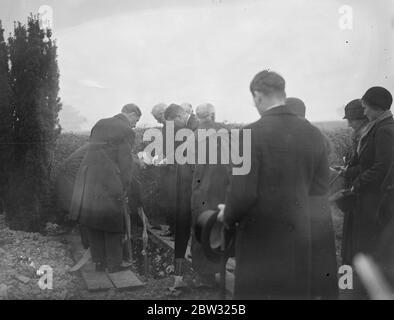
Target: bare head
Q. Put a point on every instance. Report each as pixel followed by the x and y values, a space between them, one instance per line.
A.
pixel 188 107
pixel 158 112
pixel 177 114
pixel 268 89
pixel 205 113
pixel 132 113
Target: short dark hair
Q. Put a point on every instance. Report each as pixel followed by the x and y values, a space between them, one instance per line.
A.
pixel 172 111
pixel 269 83
pixel 130 108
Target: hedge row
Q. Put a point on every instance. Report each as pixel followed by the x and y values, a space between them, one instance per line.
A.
pixel 339 141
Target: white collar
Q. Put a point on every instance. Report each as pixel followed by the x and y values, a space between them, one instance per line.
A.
pixel 274 106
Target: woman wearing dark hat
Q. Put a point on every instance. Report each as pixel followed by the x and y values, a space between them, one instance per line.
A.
pixel 354 114
pixel 356 119
pixel 375 156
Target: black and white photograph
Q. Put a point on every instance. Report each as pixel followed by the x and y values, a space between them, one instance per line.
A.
pixel 195 155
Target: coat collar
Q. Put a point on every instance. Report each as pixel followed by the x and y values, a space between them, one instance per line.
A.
pixel 122 117
pixel 363 144
pixel 278 110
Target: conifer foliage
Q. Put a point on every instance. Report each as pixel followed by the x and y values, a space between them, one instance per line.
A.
pixel 32 124
pixel 5 118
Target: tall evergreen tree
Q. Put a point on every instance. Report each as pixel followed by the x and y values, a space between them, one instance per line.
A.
pixel 35 85
pixel 5 118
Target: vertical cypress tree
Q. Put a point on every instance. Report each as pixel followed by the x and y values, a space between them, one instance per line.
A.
pixel 5 119
pixel 50 107
pixel 35 86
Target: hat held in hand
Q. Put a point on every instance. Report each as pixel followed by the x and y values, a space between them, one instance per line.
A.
pixel 209 231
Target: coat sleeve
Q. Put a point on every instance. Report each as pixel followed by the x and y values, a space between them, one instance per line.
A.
pixel 135 191
pixel 384 156
pixel 125 161
pixel 319 185
pixel 242 193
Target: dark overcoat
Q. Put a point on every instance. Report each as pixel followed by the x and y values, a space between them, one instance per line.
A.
pixel 273 209
pixel 104 175
pixel 210 182
pixel 373 210
pixel 167 182
pixel 184 177
pixel 352 171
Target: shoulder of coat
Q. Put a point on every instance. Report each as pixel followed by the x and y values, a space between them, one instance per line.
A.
pixel 385 127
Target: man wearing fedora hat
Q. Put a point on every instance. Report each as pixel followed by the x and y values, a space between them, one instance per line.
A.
pixel 272 205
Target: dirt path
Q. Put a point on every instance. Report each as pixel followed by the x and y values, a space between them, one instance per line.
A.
pixel 22 254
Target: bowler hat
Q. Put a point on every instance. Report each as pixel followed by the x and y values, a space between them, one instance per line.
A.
pixel 354 110
pixel 378 97
pixel 208 231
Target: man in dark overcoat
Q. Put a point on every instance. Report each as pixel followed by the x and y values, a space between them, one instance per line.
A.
pixel 184 176
pixel 104 178
pixel 167 180
pixel 210 182
pixel 272 204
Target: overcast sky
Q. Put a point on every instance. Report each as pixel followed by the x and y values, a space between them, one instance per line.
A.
pixel 115 52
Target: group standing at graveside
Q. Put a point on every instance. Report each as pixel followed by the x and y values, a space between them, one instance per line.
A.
pixel 278 212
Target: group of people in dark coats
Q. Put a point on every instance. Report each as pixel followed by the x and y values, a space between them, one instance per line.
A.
pixel 285 243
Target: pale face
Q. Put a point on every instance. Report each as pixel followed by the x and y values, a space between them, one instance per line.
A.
pixel 180 121
pixel 369 112
pixel 159 117
pixel 133 119
pixel 354 124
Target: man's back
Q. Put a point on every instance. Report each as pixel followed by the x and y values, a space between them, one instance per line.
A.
pixel 112 129
pixel 292 159
pixel 104 174
pixel 271 205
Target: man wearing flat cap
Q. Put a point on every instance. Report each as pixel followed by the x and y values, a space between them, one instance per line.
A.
pixel 374 175
pixel 209 186
pixel 273 204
